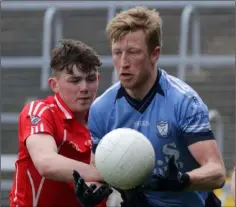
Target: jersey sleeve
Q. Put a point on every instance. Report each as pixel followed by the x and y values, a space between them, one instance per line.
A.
pixel 193 119
pixel 96 127
pixel 36 117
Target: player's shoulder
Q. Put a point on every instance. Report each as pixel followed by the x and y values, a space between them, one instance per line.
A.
pixel 178 90
pixel 106 99
pixel 37 107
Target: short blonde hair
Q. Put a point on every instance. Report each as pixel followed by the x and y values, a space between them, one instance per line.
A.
pixel 135 19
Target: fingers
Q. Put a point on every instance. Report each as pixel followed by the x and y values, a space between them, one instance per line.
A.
pixel 77 178
pixel 93 186
pixel 109 191
pixel 76 175
pixel 172 170
pixel 87 193
pixel 171 161
pixel 82 189
pixel 105 190
pixel 79 182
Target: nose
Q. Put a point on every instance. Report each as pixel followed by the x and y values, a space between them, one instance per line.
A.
pixel 84 85
pixel 124 61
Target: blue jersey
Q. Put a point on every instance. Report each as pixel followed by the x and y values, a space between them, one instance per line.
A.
pixel 172 116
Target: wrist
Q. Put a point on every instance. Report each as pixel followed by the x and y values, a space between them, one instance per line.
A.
pixel 97 176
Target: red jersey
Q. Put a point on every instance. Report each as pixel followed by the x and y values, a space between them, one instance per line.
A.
pixel 73 140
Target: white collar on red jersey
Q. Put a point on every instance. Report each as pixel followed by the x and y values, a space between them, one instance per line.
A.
pixel 67 113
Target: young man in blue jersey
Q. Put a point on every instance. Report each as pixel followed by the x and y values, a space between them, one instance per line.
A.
pixel 166 110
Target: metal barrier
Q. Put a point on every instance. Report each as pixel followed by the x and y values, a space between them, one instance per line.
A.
pixel 47 42
pixel 183 46
pixel 52 7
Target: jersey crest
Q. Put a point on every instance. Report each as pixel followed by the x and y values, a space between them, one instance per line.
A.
pixel 163 128
pixel 34 119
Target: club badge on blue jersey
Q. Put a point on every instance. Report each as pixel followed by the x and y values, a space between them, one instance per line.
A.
pixel 163 129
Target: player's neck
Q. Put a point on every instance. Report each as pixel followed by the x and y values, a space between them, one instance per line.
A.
pixel 140 92
pixel 81 117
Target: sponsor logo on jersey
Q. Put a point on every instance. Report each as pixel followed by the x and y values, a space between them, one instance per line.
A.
pixel 143 123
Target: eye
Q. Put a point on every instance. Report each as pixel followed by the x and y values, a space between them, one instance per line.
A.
pixel 92 78
pixel 133 51
pixel 74 81
pixel 116 52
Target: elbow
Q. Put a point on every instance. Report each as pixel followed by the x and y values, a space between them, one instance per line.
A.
pixel 44 165
pixel 45 171
pixel 221 182
pixel 221 178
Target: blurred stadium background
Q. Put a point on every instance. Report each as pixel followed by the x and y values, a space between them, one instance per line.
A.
pixel 198 47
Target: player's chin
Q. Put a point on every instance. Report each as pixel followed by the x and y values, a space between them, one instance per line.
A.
pixel 83 106
pixel 128 84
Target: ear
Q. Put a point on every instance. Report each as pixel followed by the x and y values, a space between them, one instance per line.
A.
pixel 98 76
pixel 53 84
pixel 156 54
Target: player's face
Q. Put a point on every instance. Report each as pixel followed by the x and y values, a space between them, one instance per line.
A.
pixel 134 64
pixel 78 90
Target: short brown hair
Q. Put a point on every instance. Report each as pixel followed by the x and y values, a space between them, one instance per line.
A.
pixel 135 19
pixel 74 52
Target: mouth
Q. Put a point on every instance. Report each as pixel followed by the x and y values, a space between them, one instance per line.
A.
pixel 125 75
pixel 84 98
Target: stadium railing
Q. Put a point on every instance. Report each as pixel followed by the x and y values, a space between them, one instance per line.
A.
pixel 181 60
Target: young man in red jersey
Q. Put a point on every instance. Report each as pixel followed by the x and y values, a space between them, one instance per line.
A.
pixel 54 139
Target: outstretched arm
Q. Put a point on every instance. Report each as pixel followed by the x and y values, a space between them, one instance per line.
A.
pixel 43 152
